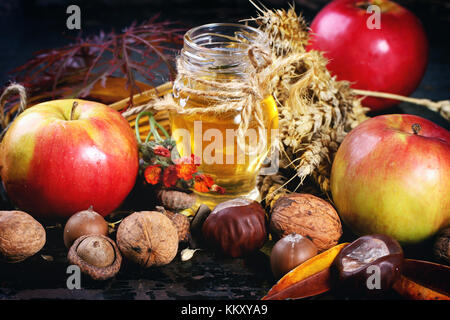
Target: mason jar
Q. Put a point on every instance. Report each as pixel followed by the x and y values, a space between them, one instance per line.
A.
pixel 215 88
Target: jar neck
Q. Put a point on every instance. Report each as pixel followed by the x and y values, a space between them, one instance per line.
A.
pixel 220 49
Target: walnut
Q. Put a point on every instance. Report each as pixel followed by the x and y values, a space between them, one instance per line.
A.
pixel 21 236
pixel 309 216
pixel 441 248
pixel 148 238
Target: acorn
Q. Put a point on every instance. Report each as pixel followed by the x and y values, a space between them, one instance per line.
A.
pixel 97 256
pixel 83 223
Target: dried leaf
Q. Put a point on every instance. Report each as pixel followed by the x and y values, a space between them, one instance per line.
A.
pixel 409 289
pixel 313 285
pixel 423 280
pixel 307 269
pixel 114 89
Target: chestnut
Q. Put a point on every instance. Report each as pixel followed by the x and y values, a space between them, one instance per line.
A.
pixel 237 227
pixel 289 252
pixel 84 223
pixel 369 265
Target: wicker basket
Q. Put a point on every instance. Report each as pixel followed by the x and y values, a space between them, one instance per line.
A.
pixel 116 96
pixel 139 99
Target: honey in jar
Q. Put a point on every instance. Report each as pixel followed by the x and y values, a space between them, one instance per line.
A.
pixel 214 58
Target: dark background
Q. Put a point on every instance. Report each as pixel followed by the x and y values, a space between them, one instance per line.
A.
pixel 29 26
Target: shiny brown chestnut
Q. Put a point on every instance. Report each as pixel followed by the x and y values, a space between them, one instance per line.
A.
pixel 289 252
pixel 84 223
pixel 369 265
pixel 237 227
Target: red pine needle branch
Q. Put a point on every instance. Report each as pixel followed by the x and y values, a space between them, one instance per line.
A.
pixel 135 54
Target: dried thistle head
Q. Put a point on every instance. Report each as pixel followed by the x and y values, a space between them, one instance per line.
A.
pixel 287 31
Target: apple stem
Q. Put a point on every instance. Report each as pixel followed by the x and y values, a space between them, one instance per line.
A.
pixel 416 128
pixel 443 106
pixel 363 5
pixel 72 111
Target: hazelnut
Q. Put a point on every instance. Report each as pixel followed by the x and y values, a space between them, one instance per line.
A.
pixel 83 223
pixel 96 255
pixel 289 252
pixel 180 221
pixel 148 238
pixel 21 236
pixel 176 200
pixel 309 216
pixel 237 227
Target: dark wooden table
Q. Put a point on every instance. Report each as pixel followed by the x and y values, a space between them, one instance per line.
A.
pixel 208 275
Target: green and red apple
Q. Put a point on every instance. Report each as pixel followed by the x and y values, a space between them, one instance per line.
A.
pixel 391 175
pixel 63 156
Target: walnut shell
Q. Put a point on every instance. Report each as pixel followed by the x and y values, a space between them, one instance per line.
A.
pixel 21 236
pixel 96 255
pixel 309 216
pixel 148 238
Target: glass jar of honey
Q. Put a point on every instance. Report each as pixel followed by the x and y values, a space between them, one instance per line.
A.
pixel 229 132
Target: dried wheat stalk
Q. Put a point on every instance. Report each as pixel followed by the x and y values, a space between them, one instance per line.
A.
pixel 316 111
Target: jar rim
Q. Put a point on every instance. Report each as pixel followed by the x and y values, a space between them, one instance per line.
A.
pixel 189 40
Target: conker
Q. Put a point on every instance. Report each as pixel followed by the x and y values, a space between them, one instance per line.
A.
pixel 289 252
pixel 236 226
pixel 369 265
pixel 83 223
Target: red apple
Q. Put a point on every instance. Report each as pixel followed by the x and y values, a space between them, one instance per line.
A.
pixel 390 59
pixel 391 175
pixel 57 159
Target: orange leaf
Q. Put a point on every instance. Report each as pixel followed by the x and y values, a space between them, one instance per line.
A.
pixel 409 289
pixel 115 89
pixel 313 285
pixel 308 268
pixel 424 280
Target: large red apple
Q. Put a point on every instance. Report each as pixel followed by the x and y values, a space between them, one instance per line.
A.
pixel 391 175
pixel 58 158
pixel 390 59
